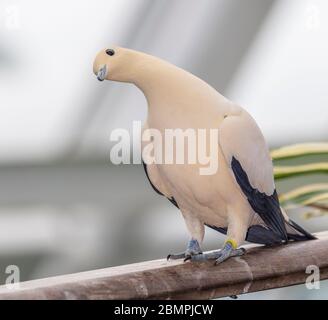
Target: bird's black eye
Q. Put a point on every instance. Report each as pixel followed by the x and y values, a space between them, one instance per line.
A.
pixel 110 52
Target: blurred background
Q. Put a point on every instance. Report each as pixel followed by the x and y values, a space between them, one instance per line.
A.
pixel 64 207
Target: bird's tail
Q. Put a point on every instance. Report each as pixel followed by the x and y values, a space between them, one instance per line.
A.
pixel 296 232
pixel 259 233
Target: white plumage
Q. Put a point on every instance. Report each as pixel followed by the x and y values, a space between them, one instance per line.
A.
pixel 241 194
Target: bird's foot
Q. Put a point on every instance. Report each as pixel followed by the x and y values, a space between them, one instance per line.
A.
pixel 193 249
pixel 229 250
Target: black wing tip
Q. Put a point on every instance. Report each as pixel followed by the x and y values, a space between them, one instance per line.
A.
pixel 153 186
pixel 262 235
pixel 267 207
pixel 172 200
pixel 303 236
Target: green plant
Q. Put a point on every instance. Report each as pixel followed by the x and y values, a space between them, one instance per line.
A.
pixel 313 196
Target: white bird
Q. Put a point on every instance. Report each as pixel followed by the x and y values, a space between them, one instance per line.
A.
pixel 239 199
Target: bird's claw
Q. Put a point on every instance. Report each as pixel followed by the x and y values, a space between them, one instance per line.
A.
pixel 192 250
pixel 219 256
pixel 187 258
pixel 193 253
pixel 228 252
pixel 176 256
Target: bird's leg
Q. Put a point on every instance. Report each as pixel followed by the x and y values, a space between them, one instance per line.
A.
pixel 236 233
pixel 196 230
pixel 193 249
pixel 229 250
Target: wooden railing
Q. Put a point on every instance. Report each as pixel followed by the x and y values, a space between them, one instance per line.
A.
pixel 260 269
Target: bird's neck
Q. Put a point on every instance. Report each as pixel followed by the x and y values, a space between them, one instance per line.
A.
pixel 155 77
pixel 166 86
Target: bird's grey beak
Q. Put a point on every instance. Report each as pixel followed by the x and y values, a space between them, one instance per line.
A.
pixel 102 73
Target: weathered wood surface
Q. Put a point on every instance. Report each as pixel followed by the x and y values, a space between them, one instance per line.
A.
pixel 260 269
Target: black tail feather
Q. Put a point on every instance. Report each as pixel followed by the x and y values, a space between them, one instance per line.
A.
pixel 304 235
pixel 262 235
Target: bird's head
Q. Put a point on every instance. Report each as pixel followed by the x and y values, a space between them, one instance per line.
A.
pixel 114 63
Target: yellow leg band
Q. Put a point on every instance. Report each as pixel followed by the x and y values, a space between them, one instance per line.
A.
pixel 232 242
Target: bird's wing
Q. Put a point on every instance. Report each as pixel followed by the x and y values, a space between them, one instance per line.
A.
pixel 247 154
pixel 155 182
pixel 154 177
